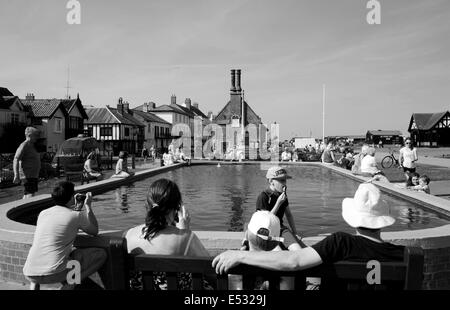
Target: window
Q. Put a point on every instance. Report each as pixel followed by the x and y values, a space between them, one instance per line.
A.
pixel 127 132
pixel 156 131
pixel 74 122
pixel 58 124
pixel 105 131
pixel 14 118
pixel 149 128
pixel 235 121
pixel 90 132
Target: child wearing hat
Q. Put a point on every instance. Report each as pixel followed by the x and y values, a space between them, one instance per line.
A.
pixel 274 199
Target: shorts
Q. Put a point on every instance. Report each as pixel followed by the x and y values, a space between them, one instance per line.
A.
pixel 288 236
pixel 30 185
pixel 87 257
pixel 410 170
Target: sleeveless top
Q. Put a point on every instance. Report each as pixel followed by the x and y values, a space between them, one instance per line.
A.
pixel 327 157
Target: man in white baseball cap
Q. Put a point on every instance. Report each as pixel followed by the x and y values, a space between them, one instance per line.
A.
pixel 366 211
pixel 263 231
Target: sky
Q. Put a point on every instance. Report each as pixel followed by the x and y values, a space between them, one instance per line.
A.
pixel 375 76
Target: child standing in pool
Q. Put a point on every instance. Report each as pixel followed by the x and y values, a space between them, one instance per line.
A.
pixel 274 197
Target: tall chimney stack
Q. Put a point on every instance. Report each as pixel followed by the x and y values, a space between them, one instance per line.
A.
pixel 145 107
pixel 233 82
pixel 195 104
pixel 120 106
pixel 30 96
pixel 126 107
pixel 238 81
pixel 173 99
pixel 152 105
pixel 210 115
pixel 187 103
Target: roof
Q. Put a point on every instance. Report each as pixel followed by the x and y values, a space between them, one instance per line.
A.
pixel 44 108
pixel 198 112
pixel 249 113
pixel 169 108
pixel 384 132
pixel 100 116
pixel 110 116
pixel 69 104
pixel 426 121
pixel 150 117
pixel 7 101
pixel 186 110
pixel 5 92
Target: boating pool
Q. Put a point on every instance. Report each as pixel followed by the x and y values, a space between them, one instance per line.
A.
pixel 224 198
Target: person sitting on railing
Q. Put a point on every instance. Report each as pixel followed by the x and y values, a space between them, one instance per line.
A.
pixel 91 167
pixel 286 155
pixel 122 166
pixel 370 168
pixel 366 212
pixel 328 157
pixel 56 229
pixel 166 229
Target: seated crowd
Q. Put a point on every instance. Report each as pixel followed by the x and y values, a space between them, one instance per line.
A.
pixel 364 164
pixel 268 242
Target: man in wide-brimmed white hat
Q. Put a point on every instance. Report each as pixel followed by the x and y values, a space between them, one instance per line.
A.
pixel 366 212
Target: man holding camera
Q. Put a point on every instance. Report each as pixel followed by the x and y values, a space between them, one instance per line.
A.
pixel 56 230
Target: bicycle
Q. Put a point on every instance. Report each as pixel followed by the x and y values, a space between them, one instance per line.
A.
pixel 389 160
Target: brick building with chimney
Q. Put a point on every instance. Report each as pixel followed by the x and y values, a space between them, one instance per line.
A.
pixel 237 114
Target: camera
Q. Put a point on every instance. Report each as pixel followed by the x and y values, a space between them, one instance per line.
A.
pixel 80 198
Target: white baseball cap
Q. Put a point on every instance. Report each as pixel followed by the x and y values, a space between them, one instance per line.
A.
pixel 265 225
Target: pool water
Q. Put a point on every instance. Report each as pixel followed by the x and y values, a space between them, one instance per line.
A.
pixel 224 198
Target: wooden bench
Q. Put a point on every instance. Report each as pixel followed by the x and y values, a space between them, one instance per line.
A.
pixel 407 275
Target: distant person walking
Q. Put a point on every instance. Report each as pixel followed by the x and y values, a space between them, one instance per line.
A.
pixel 408 157
pixel 144 153
pixel 27 163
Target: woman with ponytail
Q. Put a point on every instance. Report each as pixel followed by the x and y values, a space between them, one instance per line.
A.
pixel 166 229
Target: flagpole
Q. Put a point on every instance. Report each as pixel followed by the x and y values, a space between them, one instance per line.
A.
pixel 242 123
pixel 323 115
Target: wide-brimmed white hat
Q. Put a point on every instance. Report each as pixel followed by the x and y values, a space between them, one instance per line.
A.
pixel 367 209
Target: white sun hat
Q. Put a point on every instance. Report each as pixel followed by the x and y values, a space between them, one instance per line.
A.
pixel 367 209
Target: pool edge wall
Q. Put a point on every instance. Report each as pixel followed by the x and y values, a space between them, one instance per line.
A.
pixel 16 238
